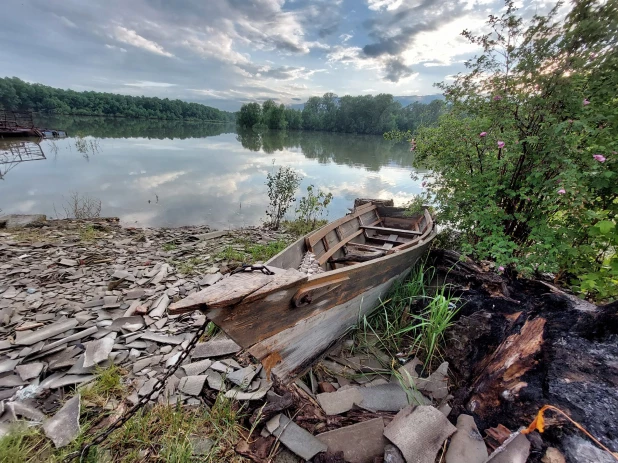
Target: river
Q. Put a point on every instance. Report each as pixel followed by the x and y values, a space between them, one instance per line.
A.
pixel 168 173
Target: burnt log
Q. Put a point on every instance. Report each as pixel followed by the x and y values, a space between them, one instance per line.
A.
pixel 521 344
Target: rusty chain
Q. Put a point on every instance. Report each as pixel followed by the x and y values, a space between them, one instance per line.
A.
pixel 159 385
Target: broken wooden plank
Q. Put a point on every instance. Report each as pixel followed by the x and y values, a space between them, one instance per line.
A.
pixel 225 293
pixel 286 279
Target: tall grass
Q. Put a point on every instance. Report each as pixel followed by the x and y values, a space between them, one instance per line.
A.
pixel 413 319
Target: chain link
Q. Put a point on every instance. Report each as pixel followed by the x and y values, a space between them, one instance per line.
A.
pixel 253 268
pixel 159 385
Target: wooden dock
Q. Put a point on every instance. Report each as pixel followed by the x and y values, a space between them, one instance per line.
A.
pixel 21 124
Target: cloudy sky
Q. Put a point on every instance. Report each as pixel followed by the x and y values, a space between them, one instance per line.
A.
pixel 225 52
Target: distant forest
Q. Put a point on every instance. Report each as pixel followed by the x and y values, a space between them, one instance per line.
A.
pixel 17 95
pixel 364 114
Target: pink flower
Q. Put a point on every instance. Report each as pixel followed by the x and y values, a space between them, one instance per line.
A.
pixel 483 134
pixel 497 98
pixel 500 144
pixel 586 102
pixel 501 269
pixel 562 191
pixel 599 157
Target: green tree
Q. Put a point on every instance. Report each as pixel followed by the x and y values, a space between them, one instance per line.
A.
pixel 525 163
pixel 249 115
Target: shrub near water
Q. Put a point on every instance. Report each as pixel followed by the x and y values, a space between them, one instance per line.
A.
pixel 525 163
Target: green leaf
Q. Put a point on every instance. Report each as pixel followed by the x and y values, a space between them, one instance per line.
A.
pixel 605 226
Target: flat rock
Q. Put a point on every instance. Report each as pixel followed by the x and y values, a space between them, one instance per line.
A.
pixel 97 351
pixel 295 438
pixel 201 445
pixel 335 403
pixel 215 348
pixel 159 308
pixel 239 394
pixel 553 455
pixel 8 365
pixel 68 262
pixel 161 338
pixel 436 385
pixel 192 385
pixel 215 380
pixel 46 332
pixel 68 380
pixel 195 368
pixel 243 377
pixel 29 370
pixel 63 427
pixel 26 411
pixel 210 280
pixel 360 442
pixel 134 294
pixel 514 450
pixel 419 433
pixel 11 381
pixel 467 444
pixel 389 397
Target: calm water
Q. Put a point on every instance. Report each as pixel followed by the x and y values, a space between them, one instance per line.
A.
pixel 153 173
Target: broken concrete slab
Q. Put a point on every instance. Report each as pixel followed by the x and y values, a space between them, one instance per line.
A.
pixel 210 280
pixel 63 427
pixel 98 351
pixel 49 331
pixel 26 411
pixel 467 444
pixel 335 403
pixel 216 347
pixel 360 442
pixel 389 397
pixel 295 438
pixel 192 385
pixel 419 433
pixel 515 449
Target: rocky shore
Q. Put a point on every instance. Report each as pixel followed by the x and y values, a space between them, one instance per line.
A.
pixel 78 297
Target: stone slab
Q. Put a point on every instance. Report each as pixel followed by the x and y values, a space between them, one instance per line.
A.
pixel 162 338
pixel 360 442
pixel 192 385
pixel 419 433
pixel 46 332
pixel 215 348
pixel 467 444
pixel 384 398
pixel 295 438
pixel 63 427
pixel 29 370
pixel 97 351
pixel 195 368
pixel 335 403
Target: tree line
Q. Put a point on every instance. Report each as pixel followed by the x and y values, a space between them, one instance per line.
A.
pixel 365 114
pixel 17 95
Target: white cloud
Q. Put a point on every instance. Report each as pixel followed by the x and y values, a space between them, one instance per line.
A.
pixel 148 83
pixel 128 36
pixel 153 181
pixel 384 4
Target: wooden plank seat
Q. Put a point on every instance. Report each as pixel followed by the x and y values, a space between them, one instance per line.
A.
pixel 399 231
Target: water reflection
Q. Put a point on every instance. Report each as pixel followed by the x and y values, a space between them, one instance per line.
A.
pixel 16 151
pixel 156 173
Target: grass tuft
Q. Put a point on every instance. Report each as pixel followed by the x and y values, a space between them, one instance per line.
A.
pixel 300 227
pixel 411 320
pixel 169 246
pixel 88 233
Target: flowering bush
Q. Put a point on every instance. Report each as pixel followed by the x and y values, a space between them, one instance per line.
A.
pixel 537 190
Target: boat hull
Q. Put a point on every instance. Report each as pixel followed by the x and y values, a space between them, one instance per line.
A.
pixel 288 339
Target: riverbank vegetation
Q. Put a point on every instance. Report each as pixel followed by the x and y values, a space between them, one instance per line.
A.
pixel 17 95
pixel 525 162
pixel 366 114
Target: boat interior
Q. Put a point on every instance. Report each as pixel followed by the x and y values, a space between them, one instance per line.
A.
pixel 369 231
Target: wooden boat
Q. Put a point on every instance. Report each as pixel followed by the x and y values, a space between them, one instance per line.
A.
pixel 320 287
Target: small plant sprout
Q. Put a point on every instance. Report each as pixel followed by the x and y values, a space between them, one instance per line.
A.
pixel 313 206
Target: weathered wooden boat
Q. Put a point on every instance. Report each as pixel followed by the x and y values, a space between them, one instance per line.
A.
pixel 290 312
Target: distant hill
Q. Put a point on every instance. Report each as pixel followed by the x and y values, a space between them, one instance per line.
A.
pixel 404 100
